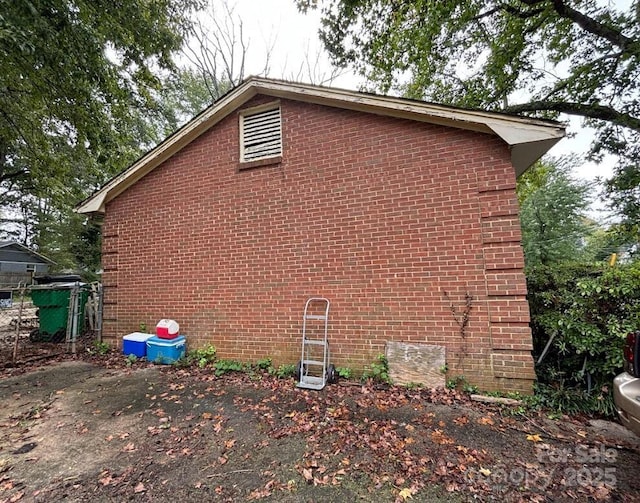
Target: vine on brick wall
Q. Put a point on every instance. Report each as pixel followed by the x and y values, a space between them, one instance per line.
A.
pixel 461 317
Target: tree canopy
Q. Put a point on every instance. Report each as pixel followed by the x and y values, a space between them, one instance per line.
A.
pixel 552 214
pixel 539 57
pixel 78 86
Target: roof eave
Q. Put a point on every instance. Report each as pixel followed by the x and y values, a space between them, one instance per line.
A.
pixel 528 139
pixel 96 203
pixel 29 251
pixel 528 144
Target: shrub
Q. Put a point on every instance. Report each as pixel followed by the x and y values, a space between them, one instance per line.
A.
pixel 460 383
pixel 286 370
pixel 559 400
pixel 344 372
pixel 264 364
pixel 100 347
pixel 378 370
pixel 224 366
pixel 585 310
pixel 203 356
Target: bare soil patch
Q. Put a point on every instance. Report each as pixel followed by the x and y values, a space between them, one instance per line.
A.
pixel 97 430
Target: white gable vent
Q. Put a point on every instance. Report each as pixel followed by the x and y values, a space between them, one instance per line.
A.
pixel 261 135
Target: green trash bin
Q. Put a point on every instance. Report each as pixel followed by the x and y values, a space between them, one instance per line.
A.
pixel 52 301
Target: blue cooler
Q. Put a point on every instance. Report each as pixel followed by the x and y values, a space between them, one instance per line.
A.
pixel 135 344
pixel 166 350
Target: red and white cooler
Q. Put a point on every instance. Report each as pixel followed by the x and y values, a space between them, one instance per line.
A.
pixel 167 329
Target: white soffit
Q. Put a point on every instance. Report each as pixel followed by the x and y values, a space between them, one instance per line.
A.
pixel 529 143
pixel 528 138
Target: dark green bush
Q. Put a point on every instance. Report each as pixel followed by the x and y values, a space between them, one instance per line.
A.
pixel 587 310
pixel 223 366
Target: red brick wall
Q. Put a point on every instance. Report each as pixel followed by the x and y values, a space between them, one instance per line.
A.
pixel 392 220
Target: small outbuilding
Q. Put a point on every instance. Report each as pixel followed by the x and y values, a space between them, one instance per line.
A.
pixel 402 213
pixel 19 264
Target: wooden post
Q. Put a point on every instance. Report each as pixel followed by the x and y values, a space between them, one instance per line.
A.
pixel 18 326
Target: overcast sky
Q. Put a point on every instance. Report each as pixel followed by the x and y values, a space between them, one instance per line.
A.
pixel 291 39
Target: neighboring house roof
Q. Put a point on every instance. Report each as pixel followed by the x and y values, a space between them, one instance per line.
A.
pixel 528 138
pixel 41 258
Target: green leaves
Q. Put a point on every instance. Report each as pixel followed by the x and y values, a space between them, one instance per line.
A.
pixel 588 310
pixel 541 58
pixel 77 86
pixel 552 214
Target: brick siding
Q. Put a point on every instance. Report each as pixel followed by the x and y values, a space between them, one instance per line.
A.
pixel 394 221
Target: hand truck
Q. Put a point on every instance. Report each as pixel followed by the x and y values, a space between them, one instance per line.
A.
pixel 314 369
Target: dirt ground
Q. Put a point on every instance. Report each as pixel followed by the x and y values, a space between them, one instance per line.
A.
pixel 94 429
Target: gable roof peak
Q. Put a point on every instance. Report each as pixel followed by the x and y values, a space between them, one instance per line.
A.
pixel 527 138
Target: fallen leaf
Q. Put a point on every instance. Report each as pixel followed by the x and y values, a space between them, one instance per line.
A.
pixel 222 460
pixel 440 438
pixel 139 488
pixel 452 487
pixel 602 493
pixel 486 472
pixel 323 481
pixel 534 438
pixel 461 421
pixel 306 473
pixel 406 493
pixel 105 481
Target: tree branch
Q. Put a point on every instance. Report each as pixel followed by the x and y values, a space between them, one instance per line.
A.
pixel 12 175
pixel 592 111
pixel 520 14
pixel 593 26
